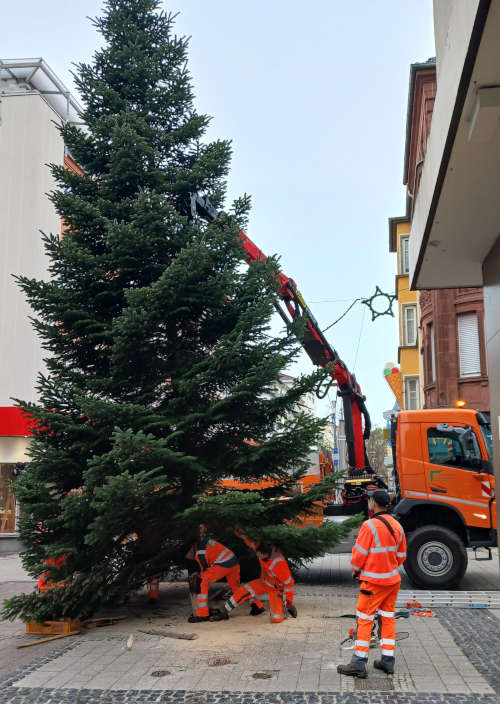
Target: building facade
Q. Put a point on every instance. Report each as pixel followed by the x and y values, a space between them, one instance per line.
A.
pixel 32 102
pixel 452 358
pixel 408 314
pixel 455 238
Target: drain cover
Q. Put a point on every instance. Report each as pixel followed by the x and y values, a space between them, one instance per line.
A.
pixel 160 673
pixel 378 683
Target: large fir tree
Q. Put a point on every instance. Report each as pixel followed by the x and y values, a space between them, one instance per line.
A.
pixel 160 361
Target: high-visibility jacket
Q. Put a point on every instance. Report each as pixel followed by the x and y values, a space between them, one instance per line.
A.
pixel 376 555
pixel 275 571
pixel 209 552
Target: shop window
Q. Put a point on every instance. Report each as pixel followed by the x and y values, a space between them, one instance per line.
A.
pixel 7 502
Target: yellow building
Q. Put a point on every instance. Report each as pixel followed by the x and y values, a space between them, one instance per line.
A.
pixel 409 345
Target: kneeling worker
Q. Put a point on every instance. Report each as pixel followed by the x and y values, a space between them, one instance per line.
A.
pixel 215 561
pixel 379 551
pixel 276 580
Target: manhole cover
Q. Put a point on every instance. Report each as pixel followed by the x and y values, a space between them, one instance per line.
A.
pixel 378 683
pixel 220 660
pixel 160 673
pixel 262 675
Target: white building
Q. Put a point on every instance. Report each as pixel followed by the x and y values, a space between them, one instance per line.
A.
pixel 33 101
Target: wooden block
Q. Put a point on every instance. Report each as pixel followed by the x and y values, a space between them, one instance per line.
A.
pixel 49 628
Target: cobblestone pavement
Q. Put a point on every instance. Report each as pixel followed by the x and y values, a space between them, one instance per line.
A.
pixel 449 658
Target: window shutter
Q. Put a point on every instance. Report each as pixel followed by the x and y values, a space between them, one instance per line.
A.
pixel 468 345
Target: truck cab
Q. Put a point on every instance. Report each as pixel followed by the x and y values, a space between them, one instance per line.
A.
pixel 445 490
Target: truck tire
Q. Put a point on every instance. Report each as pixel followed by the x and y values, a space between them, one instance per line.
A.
pixel 436 558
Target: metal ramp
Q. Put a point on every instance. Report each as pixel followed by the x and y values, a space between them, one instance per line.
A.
pixel 455 599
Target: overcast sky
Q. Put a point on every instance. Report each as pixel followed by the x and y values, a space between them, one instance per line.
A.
pixel 314 98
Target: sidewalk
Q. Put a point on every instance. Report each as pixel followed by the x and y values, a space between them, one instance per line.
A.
pixel 448 658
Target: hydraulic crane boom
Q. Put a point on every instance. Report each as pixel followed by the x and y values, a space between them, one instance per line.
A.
pixel 357 419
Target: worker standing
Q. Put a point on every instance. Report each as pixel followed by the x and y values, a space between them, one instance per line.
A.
pixel 216 561
pixel 276 580
pixel 379 551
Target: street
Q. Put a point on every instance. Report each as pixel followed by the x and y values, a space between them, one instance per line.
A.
pixel 246 659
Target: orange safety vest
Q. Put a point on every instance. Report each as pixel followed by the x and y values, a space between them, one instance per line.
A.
pixel 275 571
pixel 377 554
pixel 209 552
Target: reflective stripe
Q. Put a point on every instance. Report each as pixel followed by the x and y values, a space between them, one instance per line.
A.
pixel 387 641
pixel 229 607
pixel 249 589
pixel 390 653
pixel 361 550
pixel 364 643
pixel 268 583
pixel 203 597
pixel 353 564
pixel 290 589
pixel 375 534
pixel 387 614
pixel 448 498
pixel 361 653
pixel 287 581
pixel 380 575
pixel 211 541
pixel 401 554
pixel 274 563
pixel 223 556
pixel 280 616
pixel 366 617
pixel 391 548
pixel 232 602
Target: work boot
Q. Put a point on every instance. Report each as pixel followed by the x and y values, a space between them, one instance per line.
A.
pixel 352 671
pixel 221 616
pixel 198 619
pixel 385 665
pixel 256 610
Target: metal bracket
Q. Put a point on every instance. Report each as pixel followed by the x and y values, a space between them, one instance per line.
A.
pixel 481 559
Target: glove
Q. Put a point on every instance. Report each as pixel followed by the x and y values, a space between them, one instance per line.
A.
pixel 355 575
pixel 194 583
pixel 292 610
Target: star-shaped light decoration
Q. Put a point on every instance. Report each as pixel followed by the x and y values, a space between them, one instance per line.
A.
pixel 379 294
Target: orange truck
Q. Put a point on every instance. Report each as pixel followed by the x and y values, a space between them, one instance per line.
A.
pixel 444 491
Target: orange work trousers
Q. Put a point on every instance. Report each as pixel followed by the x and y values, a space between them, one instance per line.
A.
pixel 257 587
pixel 213 574
pixel 382 601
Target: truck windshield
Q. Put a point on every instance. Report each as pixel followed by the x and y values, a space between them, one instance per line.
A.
pixel 484 423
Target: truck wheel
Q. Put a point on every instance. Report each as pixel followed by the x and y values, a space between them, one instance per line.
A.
pixel 436 558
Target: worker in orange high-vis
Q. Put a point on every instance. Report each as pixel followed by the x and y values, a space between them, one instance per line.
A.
pixel 276 581
pixel 379 551
pixel 215 561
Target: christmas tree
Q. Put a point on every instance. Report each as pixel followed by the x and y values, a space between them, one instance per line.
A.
pixel 161 365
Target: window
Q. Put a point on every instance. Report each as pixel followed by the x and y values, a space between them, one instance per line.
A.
pixel 468 345
pixel 405 254
pixel 410 325
pixel 454 446
pixel 412 396
pixel 430 355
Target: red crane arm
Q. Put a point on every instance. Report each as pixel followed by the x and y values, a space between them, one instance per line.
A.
pixel 314 343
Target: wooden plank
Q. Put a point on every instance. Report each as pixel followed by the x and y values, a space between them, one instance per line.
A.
pixel 46 640
pixel 169 634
